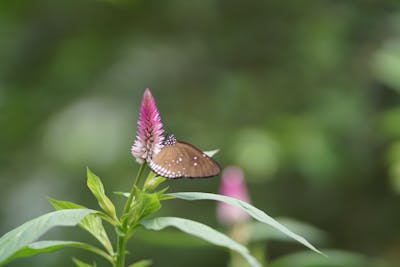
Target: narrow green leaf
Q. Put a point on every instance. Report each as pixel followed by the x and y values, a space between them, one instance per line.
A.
pixel 170 238
pixel 153 181
pixel 202 231
pixel 259 231
pixel 30 231
pixel 96 186
pixel 123 194
pixel 211 153
pixel 337 258
pixel 142 263
pixel 91 223
pixel 50 246
pixel 79 263
pixel 251 210
pixel 64 205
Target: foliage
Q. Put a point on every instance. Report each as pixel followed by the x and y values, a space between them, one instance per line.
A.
pixel 21 242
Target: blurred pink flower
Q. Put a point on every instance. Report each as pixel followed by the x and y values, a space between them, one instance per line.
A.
pixel 149 136
pixel 232 185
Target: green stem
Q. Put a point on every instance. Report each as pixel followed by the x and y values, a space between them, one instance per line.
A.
pixel 121 251
pixel 123 233
pixel 131 193
pixel 139 175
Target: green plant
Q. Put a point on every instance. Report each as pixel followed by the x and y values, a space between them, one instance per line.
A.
pixel 143 201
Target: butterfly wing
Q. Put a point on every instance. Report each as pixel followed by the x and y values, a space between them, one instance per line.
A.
pixel 183 160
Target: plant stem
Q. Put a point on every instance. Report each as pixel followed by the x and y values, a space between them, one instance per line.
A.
pixel 121 251
pixel 123 236
pixel 131 193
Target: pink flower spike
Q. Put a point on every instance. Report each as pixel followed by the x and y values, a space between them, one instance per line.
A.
pixel 149 136
pixel 232 185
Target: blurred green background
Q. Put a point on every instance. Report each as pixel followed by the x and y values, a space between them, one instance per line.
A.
pixel 303 95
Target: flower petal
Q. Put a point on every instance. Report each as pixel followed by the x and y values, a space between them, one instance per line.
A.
pixel 149 136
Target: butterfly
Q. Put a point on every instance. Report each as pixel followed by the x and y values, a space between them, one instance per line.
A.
pixel 182 160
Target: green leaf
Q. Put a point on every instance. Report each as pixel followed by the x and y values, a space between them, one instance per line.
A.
pixel 142 263
pixel 251 210
pixel 64 205
pixel 211 153
pixel 260 231
pixel 145 204
pixel 153 181
pixel 96 186
pixel 82 264
pixel 336 258
pixel 30 231
pixel 91 223
pixel 202 231
pixel 50 246
pixel 170 238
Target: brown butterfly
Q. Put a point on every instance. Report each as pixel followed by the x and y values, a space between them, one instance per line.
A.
pixel 182 160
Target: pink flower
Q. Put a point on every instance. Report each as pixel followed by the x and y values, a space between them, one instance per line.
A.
pixel 149 136
pixel 232 185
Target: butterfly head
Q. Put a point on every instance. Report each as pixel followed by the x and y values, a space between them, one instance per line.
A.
pixel 171 140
